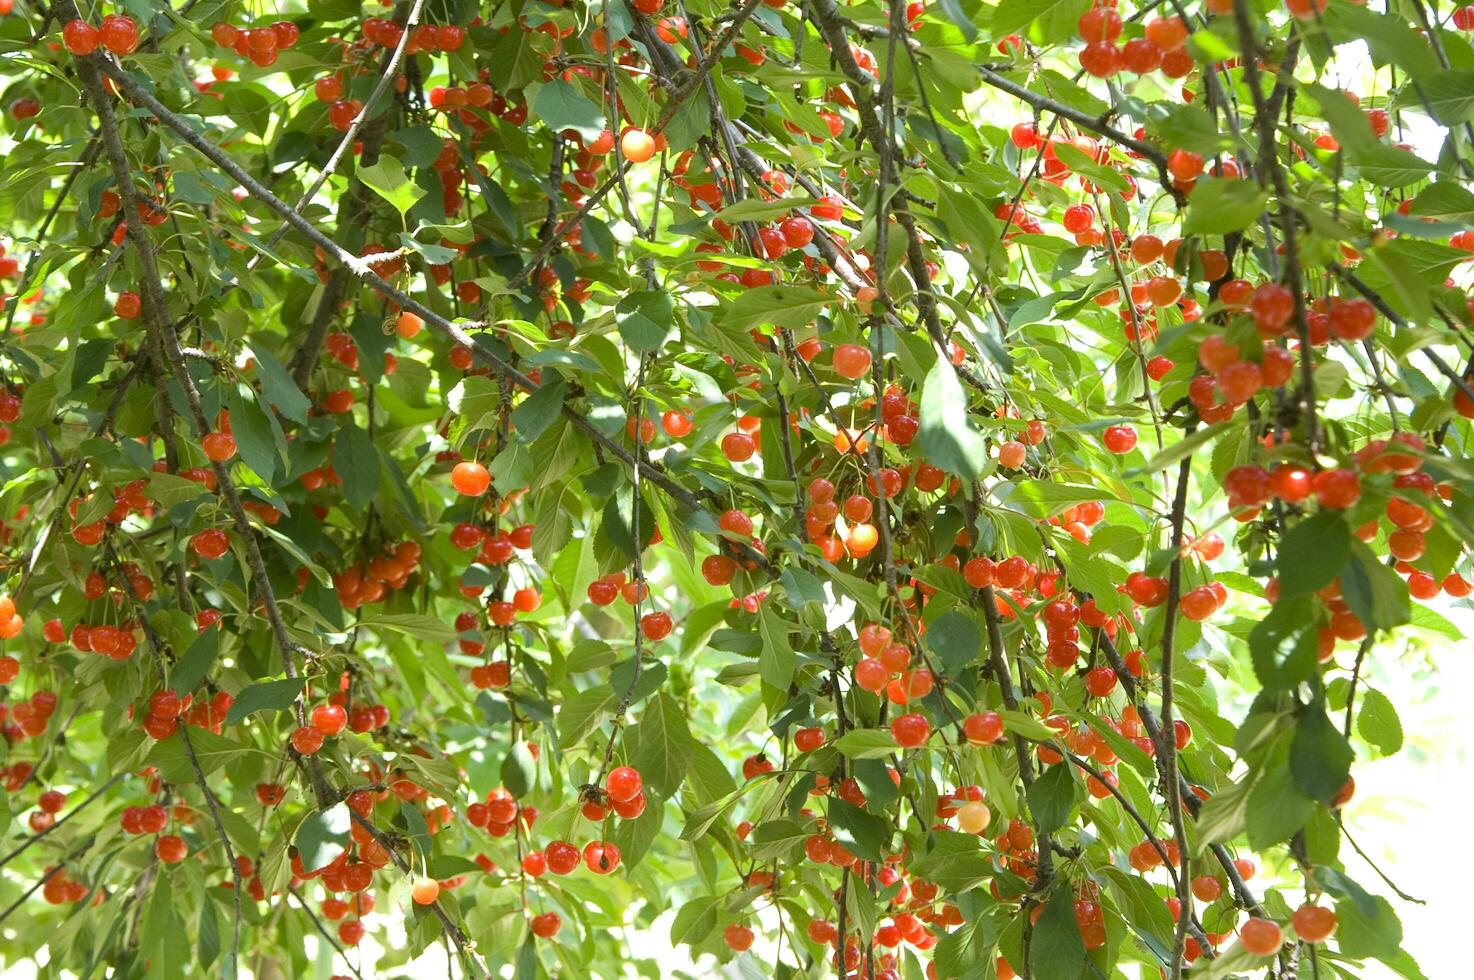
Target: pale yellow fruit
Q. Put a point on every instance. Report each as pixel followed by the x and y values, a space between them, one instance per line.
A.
pixel 973 817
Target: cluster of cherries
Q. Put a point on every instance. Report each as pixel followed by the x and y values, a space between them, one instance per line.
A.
pixel 166 708
pixel 261 44
pixel 373 581
pixel 28 718
pixel 117 32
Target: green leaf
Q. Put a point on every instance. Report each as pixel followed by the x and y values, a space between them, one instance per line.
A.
pixel 539 410
pixel 646 320
pixel 694 920
pixel 1219 205
pixel 866 836
pixel 1312 553
pixel 323 835
pixel 277 387
pixel 411 624
pixel 1377 722
pixel 1320 756
pixel 1449 95
pixel 1052 797
pixel 866 743
pixel 562 106
pixel 1012 16
pixel 1284 645
pixel 1277 808
pixel 1225 815
pixel 1362 934
pixel 387 179
pixel 1374 591
pixel 258 437
pixel 196 662
pixel 956 640
pixel 947 437
pixel 276 695
pixel 1056 951
pixel 783 306
pixel 210 750
pixel 777 662
pixel 777 840
pixel 357 462
pixel 662 745
pixel 956 862
pixel 1445 201
pixel 519 769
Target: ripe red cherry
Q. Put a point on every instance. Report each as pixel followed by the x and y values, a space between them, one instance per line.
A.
pixel 1313 923
pixel 601 857
pixel 562 857
pixel 851 361
pixel 1119 439
pixel 797 231
pixel 910 731
pixel 808 739
pixel 546 926
pixel 983 728
pixel 80 37
pixel 171 849
pixel 210 544
pixel 1261 937
pixel 119 34
pixel 623 784
pixel 307 740
pixel 1101 681
pixel 329 719
pixel 128 306
pixel 470 479
pixel 1339 488
pixel 218 446
pixel 656 625
pixel 738 446
pixel 738 937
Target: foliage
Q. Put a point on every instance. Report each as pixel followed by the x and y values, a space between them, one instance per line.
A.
pixel 778 477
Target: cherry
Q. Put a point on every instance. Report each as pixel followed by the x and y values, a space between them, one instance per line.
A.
pixel 128 306
pixel 1119 439
pixel 425 891
pixel 562 857
pixel 171 849
pixel 738 446
pixel 738 937
pixel 601 857
pixel 119 34
pixel 80 37
pixel 307 740
pixel 1337 489
pixel 656 625
pixel 808 739
pixel 1261 937
pixel 636 145
pixel 329 719
pixel 210 544
pixel 546 926
pixel 910 731
pixel 218 446
pixel 623 784
pixel 1313 923
pixel 470 479
pixel 1206 888
pixel 851 361
pixel 973 817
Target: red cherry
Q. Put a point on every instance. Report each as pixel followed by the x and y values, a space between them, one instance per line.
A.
pixel 910 731
pixel 623 784
pixel 1119 439
pixel 470 479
